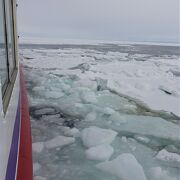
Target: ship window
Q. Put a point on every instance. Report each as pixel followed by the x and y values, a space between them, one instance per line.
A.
pixel 3 57
pixel 10 40
pixel 8 45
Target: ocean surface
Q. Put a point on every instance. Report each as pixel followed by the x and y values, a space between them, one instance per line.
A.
pixel 105 111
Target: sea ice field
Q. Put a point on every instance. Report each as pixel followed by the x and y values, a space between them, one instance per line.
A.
pixel 104 111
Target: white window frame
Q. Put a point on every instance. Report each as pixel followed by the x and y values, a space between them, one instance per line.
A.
pixel 7 89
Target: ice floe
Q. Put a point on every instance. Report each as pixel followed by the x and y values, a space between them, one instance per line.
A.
pixel 36 167
pixel 44 111
pixel 88 97
pixel 157 173
pixel 38 147
pixel 149 126
pixel 54 94
pixel 125 166
pixel 91 116
pixel 108 111
pixel 94 136
pixel 101 152
pixel 59 141
pixel 85 83
pixel 73 132
pixel 142 139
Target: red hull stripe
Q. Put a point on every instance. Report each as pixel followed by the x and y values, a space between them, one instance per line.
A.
pixel 24 169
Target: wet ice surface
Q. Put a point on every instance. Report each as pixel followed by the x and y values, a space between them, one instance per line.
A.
pixel 104 112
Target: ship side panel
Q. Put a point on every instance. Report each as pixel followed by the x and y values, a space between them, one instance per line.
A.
pixel 7 128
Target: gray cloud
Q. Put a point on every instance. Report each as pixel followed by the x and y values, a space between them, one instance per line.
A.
pixel 137 20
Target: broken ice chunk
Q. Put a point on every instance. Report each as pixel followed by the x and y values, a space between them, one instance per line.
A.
pixel 39 88
pixel 90 116
pixel 54 94
pixel 36 167
pixel 173 149
pixel 125 166
pixel 88 97
pixel 83 67
pixel 124 139
pixel 53 117
pixel 65 87
pixel 44 111
pixel 175 71
pixel 85 83
pixel 143 125
pixel 38 147
pixel 59 141
pixel 101 152
pixel 117 118
pixel 94 136
pixel 73 132
pixel 101 84
pixel 142 139
pixel 156 173
pixel 171 158
pixel 109 111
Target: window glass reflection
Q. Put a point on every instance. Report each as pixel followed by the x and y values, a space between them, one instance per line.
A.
pixel 10 36
pixel 3 60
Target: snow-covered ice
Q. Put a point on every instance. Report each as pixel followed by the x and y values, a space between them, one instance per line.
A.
pixel 169 157
pixel 125 166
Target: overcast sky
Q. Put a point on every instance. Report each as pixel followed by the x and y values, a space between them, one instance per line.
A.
pixel 130 20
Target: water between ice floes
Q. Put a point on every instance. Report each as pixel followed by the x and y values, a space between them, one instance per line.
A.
pixel 90 115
